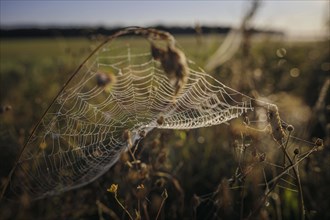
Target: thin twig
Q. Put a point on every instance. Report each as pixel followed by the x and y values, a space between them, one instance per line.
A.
pixel 123 207
pixel 103 208
pixel 295 171
pixel 243 189
pixel 277 179
pixel 164 195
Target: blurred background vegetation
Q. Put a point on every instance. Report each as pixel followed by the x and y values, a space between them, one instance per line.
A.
pixel 290 74
pixel 195 167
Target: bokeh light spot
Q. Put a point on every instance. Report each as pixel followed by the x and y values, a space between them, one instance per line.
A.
pixel 294 72
pixel 281 52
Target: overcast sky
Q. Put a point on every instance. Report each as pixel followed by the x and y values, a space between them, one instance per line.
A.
pixel 293 16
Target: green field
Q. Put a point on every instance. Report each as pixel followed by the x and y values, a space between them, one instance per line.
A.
pixel 194 166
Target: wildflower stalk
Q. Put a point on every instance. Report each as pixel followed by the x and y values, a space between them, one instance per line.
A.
pixel 123 207
pixel 164 196
pixel 243 189
pixel 296 173
pixel 104 209
pixel 145 210
pixel 113 189
pixel 278 178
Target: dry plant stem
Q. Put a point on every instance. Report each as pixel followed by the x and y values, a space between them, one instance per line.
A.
pixel 136 146
pixel 296 173
pixel 284 147
pixel 278 205
pixel 145 210
pixel 103 208
pixel 100 213
pixel 139 207
pixel 123 207
pixel 277 201
pixel 293 165
pixel 160 208
pixel 132 153
pixel 243 189
pixel 133 157
pixel 277 179
pixel 164 196
pixel 263 200
pixel 271 189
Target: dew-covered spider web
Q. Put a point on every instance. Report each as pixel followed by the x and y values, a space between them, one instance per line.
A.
pixel 134 82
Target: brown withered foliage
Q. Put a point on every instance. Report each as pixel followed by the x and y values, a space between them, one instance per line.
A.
pixel 275 123
pixel 174 64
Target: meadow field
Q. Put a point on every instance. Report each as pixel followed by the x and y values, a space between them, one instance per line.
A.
pixel 202 173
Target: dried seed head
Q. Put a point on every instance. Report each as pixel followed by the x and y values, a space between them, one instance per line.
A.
pixel 154 34
pixel 262 157
pixel 103 79
pixel 157 53
pixel 319 142
pixel 284 125
pixel 160 120
pixel 290 128
pixel 174 64
pixel 274 121
pixel 142 133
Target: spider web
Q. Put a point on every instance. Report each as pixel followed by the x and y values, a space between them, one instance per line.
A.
pixel 119 94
